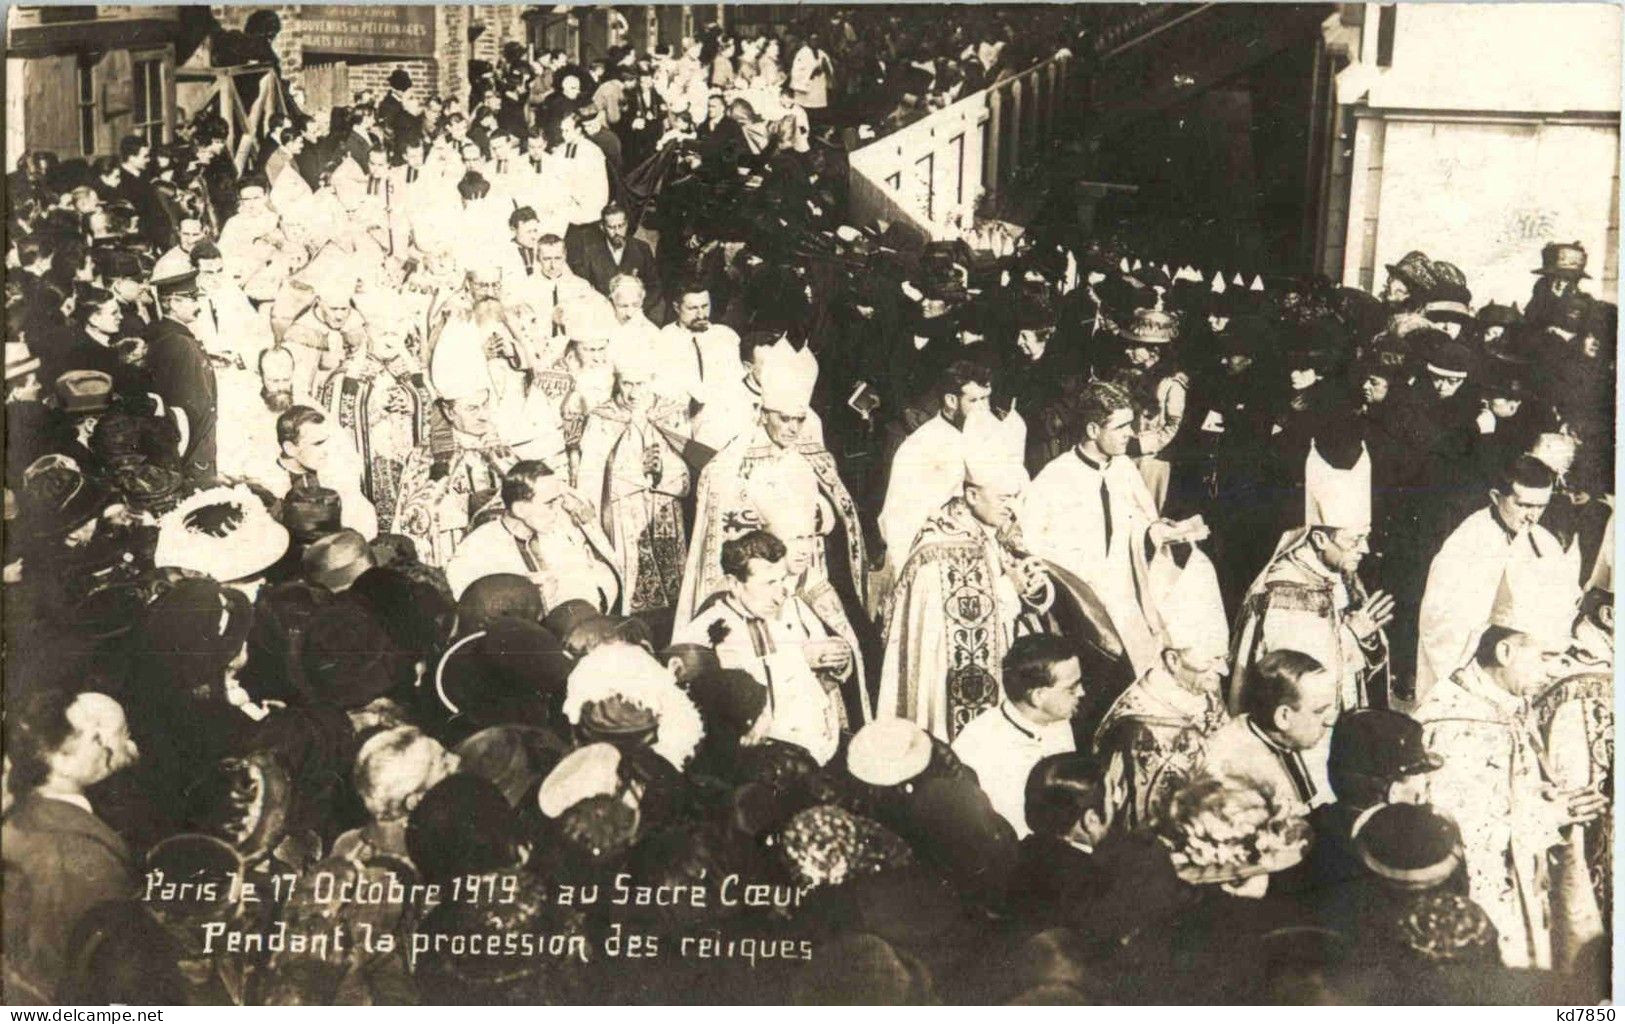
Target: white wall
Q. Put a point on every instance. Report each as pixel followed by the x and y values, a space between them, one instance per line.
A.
pixel 1494 131
pixel 1524 57
pixel 1487 196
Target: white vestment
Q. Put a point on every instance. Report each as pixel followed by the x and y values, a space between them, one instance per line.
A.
pixel 773 652
pixel 1462 583
pixel 1064 519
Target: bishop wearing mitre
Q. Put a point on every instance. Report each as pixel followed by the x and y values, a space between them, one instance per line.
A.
pixel 965 583
pixel 777 444
pixel 1310 598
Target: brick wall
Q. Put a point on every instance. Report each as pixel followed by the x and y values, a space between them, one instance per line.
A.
pixel 445 73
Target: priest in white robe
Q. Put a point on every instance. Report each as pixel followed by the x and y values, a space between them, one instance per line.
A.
pixel 696 358
pixel 1090 512
pixel 928 468
pixel 755 625
pixel 1466 573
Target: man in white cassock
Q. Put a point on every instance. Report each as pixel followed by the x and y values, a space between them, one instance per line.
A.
pixel 755 624
pixel 547 285
pixel 695 358
pixel 1466 573
pixel 1090 513
pixel 1309 597
pixel 546 533
pixel 726 501
pixel 953 613
pixel 928 468
pixel 1043 685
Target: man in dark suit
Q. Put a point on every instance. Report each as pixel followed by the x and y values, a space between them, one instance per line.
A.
pixel 1377 758
pixel 60 858
pixel 359 139
pixel 133 187
pixel 643 117
pixel 312 158
pixel 395 122
pixel 1075 870
pixel 182 375
pixel 607 250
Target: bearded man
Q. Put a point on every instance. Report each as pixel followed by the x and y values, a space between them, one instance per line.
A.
pixel 697 361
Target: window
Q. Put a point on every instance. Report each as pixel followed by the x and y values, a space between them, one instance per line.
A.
pixel 1386 16
pixel 957 143
pixel 87 110
pixel 149 100
pixel 925 178
pixel 58 14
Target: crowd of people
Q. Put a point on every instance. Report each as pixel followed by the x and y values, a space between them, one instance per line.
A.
pixel 546 536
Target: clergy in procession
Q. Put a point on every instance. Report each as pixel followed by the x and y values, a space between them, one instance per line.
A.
pixel 457 471
pixel 724 501
pixel 756 625
pixel 379 396
pixel 1309 596
pixel 1089 511
pixel 1496 779
pixel 1466 573
pixel 585 176
pixel 494 341
pixel 546 533
pixel 545 282
pixel 929 466
pixel 780 498
pixel 1155 731
pixel 583 377
pixel 954 610
pixel 733 409
pixel 318 319
pixel 634 476
pixel 696 357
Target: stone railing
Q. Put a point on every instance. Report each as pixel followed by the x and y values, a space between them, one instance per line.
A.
pixel 931 174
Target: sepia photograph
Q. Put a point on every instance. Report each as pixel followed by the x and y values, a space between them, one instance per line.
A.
pixel 912 504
